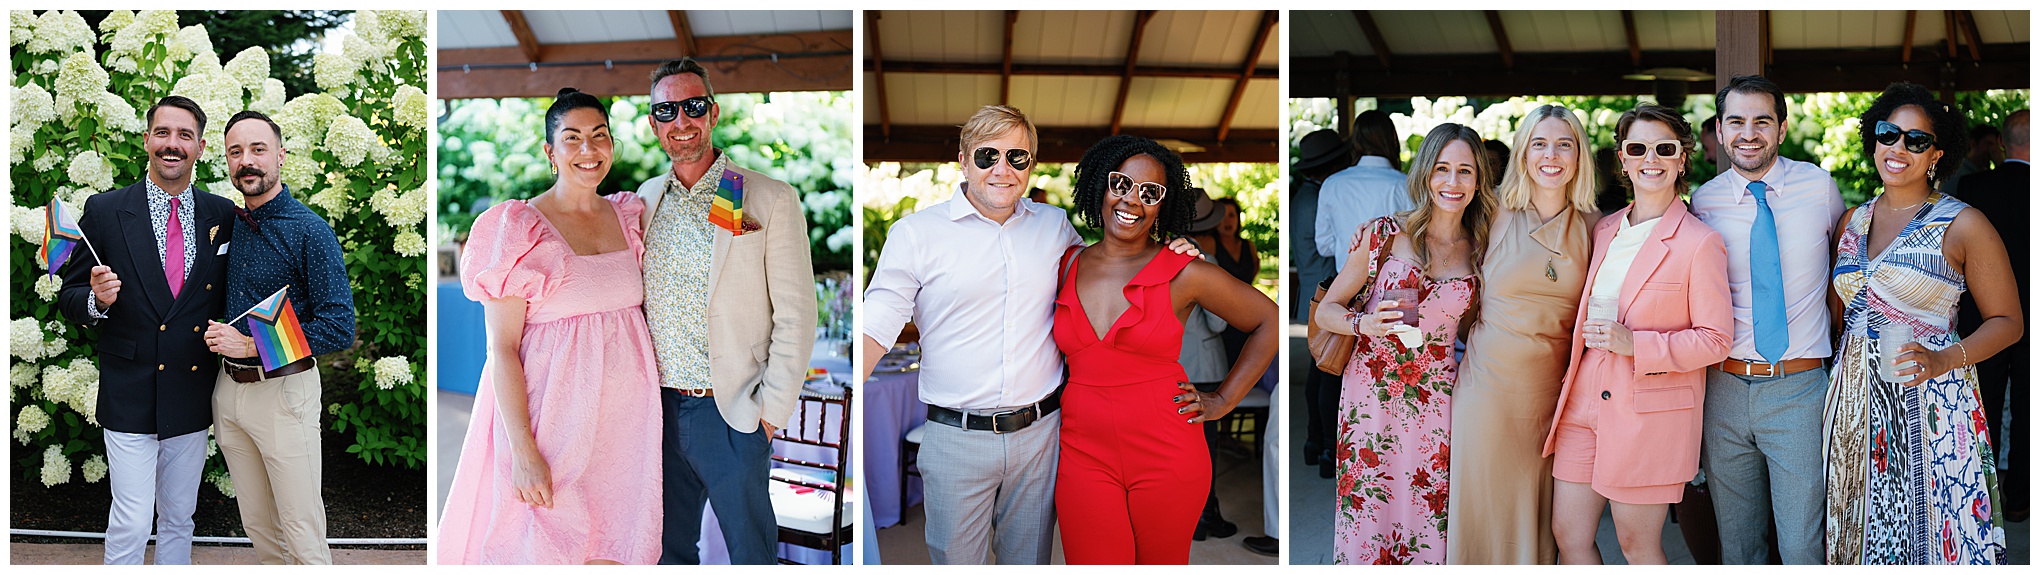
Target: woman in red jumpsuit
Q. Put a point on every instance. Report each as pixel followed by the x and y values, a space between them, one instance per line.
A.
pixel 1134 471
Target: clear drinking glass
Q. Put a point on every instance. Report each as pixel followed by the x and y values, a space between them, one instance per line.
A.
pixel 1891 340
pixel 1405 302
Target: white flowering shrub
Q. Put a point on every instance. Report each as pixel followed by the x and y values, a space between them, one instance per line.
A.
pixel 357 151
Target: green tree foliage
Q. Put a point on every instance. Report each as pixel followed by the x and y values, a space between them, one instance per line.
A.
pixel 492 150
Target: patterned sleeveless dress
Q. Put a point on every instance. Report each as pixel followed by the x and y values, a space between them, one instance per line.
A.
pixel 1910 475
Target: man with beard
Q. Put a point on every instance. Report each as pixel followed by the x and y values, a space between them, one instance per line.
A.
pixel 164 239
pixel 267 421
pixel 729 294
pixel 1761 432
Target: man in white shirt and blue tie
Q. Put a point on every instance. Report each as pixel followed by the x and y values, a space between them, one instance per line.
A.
pixel 1762 430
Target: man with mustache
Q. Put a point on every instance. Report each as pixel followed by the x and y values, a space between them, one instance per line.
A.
pixel 267 421
pixel 1761 432
pixel 160 277
pixel 730 298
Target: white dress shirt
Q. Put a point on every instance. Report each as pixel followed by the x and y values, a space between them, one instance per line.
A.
pixel 1806 204
pixel 1352 197
pixel 983 296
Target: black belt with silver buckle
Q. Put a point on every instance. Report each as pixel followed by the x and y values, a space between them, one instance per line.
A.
pixel 1002 422
pixel 250 374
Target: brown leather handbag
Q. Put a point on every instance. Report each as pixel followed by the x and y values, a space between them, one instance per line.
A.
pixel 1333 351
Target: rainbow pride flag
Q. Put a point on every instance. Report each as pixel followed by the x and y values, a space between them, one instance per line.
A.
pixel 728 211
pixel 61 236
pixel 278 337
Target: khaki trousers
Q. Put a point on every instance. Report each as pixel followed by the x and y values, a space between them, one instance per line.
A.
pixel 269 433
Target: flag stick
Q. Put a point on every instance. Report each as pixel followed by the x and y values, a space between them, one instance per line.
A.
pixel 279 291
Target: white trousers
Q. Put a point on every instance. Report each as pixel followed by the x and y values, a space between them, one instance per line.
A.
pixel 152 479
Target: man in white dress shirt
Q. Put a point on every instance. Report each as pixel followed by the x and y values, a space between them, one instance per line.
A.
pixel 1762 427
pixel 1370 189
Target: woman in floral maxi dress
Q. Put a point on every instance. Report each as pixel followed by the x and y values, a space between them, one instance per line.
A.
pixel 1910 474
pixel 1394 415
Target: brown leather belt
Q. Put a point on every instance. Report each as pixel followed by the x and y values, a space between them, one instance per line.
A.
pixel 703 392
pixel 1761 369
pixel 246 374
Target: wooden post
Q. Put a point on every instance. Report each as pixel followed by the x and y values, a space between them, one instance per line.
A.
pixel 1738 45
pixel 1342 98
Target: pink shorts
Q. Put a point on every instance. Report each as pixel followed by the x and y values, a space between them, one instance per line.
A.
pixel 1573 453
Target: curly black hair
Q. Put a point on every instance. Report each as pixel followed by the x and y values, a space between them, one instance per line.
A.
pixel 1106 156
pixel 568 100
pixel 1951 129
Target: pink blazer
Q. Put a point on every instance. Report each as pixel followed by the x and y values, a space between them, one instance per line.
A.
pixel 1675 301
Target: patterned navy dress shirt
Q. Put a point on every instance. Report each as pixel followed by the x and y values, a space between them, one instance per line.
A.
pixel 291 245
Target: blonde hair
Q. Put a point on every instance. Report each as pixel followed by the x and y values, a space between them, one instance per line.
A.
pixel 1479 215
pixel 1517 187
pixel 992 121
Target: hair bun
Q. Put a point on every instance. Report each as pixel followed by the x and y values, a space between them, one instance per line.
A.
pixel 564 91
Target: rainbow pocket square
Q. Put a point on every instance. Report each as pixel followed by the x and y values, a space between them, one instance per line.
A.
pixel 728 211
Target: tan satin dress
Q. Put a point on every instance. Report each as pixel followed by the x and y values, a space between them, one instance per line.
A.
pixel 1500 508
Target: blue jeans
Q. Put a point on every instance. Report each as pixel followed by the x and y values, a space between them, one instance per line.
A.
pixel 706 462
pixel 1761 442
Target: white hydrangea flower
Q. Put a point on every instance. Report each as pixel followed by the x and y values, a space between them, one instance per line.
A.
pixel 58 327
pixel 45 67
pixel 268 99
pixel 333 72
pixel 212 443
pixel 401 24
pixel 79 79
pixel 33 107
pixel 411 107
pixel 401 210
pixel 57 345
pixel 60 31
pixel 46 286
pixel 299 171
pixel 250 67
pixel 349 139
pixel 304 119
pixel 25 339
pixel 48 161
pixel 24 374
pixel 409 244
pixel 391 372
pixel 365 51
pixel 223 482
pixel 147 26
pixel 19 141
pixel 124 64
pixel 29 223
pixel 32 419
pixel 88 169
pixel 118 114
pixel 56 468
pixel 216 93
pixel 190 42
pixel 20 26
pixel 115 21
pixel 94 468
pixel 335 200
pixel 75 385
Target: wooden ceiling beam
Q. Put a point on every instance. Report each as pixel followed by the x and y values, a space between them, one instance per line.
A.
pixel 1006 61
pixel 1912 20
pixel 1635 45
pixel 1764 37
pixel 1232 105
pixel 871 18
pixel 682 32
pixel 1494 24
pixel 1097 70
pixel 1373 33
pixel 807 61
pixel 1140 22
pixel 1975 36
pixel 526 41
pixel 1948 35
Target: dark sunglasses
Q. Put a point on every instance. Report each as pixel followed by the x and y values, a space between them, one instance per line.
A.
pixel 1019 158
pixel 1916 141
pixel 1664 148
pixel 694 107
pixel 1120 185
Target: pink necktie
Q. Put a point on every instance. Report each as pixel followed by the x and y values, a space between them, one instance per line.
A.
pixel 173 256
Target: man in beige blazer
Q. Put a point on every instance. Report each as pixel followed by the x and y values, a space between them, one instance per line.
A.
pixel 732 309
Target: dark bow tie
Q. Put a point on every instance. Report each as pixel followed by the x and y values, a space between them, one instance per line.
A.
pixel 246 217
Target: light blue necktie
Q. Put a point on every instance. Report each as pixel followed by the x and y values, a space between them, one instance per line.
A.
pixel 1768 279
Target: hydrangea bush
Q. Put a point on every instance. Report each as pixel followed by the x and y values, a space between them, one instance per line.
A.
pixel 357 157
